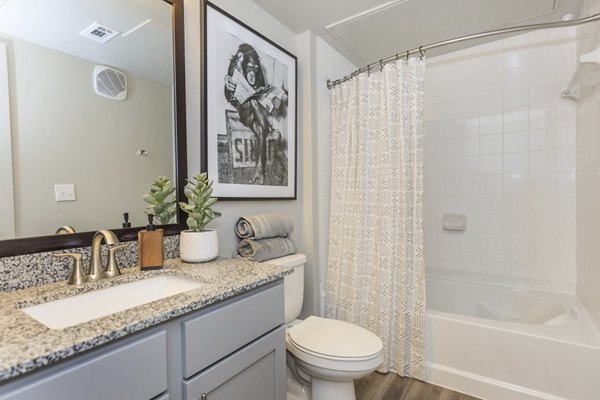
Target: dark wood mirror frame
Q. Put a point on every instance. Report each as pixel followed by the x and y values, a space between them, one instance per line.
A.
pixel 38 244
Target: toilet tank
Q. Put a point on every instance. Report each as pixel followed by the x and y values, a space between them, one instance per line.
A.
pixel 293 284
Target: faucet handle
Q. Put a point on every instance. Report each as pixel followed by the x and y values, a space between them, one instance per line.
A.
pixel 113 268
pixel 78 276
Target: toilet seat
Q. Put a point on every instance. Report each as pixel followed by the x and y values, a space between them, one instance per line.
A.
pixel 335 345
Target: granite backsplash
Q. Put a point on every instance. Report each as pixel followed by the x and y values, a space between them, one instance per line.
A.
pixel 37 269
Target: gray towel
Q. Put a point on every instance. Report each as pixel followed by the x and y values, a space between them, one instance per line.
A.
pixel 263 226
pixel 265 249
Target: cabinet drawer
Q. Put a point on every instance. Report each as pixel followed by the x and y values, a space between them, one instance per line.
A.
pixel 256 372
pixel 218 333
pixel 137 370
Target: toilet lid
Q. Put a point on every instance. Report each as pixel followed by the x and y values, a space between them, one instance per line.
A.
pixel 333 338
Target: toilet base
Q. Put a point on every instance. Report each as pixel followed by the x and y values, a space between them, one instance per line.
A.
pixel 332 390
pixel 296 390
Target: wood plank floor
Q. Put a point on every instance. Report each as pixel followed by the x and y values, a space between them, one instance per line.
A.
pixel 393 387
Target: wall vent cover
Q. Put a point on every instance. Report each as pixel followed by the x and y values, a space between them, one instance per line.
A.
pixel 99 33
pixel 110 83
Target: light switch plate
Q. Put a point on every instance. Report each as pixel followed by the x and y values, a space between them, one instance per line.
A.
pixel 65 192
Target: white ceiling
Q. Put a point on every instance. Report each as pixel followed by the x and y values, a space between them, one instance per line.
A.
pixel 143 47
pixel 362 30
pixel 368 30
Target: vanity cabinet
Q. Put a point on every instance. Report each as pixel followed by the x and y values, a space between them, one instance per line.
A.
pixel 251 336
pixel 136 369
pixel 232 350
pixel 219 332
pixel 256 372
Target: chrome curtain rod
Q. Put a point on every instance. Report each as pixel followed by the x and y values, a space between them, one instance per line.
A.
pixel 423 49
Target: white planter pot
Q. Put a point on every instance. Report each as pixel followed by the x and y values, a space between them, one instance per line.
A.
pixel 195 247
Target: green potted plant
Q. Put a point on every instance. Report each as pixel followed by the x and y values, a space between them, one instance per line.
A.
pixel 199 244
pixel 162 200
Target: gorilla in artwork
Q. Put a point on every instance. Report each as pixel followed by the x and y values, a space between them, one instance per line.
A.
pixel 257 103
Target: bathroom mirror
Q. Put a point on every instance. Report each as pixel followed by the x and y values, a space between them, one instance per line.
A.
pixel 92 111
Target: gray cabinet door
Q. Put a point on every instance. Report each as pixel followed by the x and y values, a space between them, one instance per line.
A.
pixel 256 372
pixel 213 335
pixel 136 370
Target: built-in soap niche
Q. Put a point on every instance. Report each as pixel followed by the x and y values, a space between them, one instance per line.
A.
pixel 584 80
pixel 454 222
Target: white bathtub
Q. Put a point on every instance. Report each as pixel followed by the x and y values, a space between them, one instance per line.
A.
pixel 502 343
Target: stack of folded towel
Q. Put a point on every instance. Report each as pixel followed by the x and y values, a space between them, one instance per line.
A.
pixel 264 237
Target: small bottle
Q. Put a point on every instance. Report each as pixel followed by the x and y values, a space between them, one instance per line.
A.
pixel 150 246
pixel 126 223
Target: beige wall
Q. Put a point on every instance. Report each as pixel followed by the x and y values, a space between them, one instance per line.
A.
pixel 260 20
pixel 316 62
pixel 321 62
pixel 63 133
pixel 329 65
pixel 588 165
pixel 7 210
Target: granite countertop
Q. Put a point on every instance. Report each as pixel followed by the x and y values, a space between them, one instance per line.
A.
pixel 26 344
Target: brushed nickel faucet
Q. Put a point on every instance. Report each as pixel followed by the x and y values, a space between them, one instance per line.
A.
pixel 65 229
pixel 78 276
pixel 112 269
pixel 97 270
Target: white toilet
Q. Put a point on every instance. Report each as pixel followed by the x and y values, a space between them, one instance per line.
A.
pixel 325 354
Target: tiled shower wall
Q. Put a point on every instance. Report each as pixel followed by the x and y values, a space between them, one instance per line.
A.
pixel 500 147
pixel 588 168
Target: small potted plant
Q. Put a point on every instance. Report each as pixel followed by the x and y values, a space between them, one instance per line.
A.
pixel 162 200
pixel 198 244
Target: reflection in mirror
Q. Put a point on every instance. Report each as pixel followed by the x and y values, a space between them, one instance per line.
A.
pixel 79 148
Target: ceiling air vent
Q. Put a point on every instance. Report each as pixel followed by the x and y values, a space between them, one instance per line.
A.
pixel 99 33
pixel 110 83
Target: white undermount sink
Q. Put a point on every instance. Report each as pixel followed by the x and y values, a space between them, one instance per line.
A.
pixel 88 306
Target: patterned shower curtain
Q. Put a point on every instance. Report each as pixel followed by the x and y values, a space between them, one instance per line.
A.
pixel 376 273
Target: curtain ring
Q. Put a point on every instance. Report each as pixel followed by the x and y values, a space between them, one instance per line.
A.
pixel 381 65
pixel 421 51
pixel 406 55
pixel 397 54
pixel 369 70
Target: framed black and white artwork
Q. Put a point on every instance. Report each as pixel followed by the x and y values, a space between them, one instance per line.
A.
pixel 250 111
